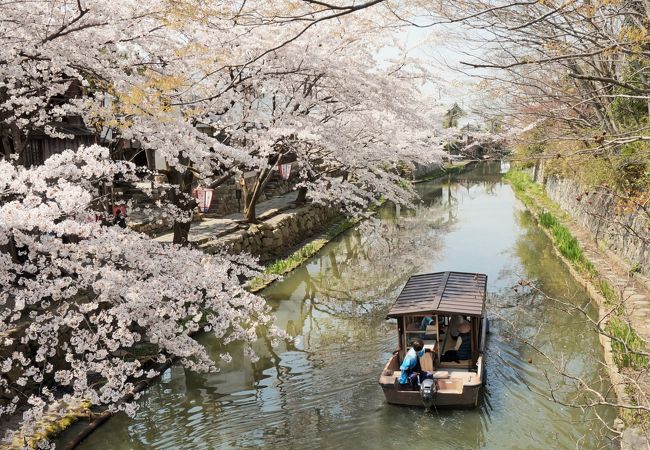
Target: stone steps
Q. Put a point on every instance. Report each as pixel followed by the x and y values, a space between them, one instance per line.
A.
pixel 635 297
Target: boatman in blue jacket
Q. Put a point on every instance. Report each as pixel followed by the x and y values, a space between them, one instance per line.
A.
pixel 411 371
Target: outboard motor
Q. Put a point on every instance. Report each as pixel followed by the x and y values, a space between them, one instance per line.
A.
pixel 428 389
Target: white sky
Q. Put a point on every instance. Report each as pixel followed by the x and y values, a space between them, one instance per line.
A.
pixel 442 48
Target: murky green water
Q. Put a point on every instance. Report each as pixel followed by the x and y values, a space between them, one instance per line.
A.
pixel 322 392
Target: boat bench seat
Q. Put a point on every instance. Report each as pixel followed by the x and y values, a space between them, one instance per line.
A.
pixel 466 377
pixel 438 374
pixel 450 386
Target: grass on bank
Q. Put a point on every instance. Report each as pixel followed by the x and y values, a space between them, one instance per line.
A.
pixel 549 215
pixel 607 290
pixel 282 266
pixel 294 260
pixel 566 244
pixel 626 344
pixel 447 169
pixel 531 193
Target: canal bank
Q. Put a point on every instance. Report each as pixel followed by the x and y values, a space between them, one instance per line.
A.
pixel 446 170
pixel 622 333
pixel 322 389
pixel 336 226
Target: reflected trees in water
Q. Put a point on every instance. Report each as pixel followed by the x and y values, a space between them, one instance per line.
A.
pixel 549 319
pixel 360 278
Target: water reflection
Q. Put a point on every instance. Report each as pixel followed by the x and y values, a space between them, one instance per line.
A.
pixel 322 391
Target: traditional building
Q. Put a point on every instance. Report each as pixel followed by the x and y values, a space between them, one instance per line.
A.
pixel 34 145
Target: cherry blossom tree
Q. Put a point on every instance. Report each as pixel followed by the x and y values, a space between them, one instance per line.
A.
pixel 86 309
pixel 347 126
pixel 578 71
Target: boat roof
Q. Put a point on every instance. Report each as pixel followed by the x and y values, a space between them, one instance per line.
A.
pixel 442 292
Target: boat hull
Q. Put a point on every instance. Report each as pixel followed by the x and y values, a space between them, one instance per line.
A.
pixel 467 399
pixel 454 388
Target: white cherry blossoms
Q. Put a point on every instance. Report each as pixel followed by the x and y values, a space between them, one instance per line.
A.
pixel 86 310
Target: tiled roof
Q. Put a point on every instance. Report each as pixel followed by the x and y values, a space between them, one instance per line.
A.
pixel 443 292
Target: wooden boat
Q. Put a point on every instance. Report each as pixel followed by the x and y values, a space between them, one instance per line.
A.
pixel 446 300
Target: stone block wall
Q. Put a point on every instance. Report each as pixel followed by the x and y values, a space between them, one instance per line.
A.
pixel 274 237
pixel 626 234
pixel 422 170
pixel 225 200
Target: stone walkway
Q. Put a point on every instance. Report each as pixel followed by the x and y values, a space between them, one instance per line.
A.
pixel 211 228
pixel 634 293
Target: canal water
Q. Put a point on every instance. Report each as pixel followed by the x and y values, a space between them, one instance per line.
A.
pixel 322 391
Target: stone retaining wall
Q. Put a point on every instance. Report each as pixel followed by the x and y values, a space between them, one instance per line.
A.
pixel 422 170
pixel 621 232
pixel 274 237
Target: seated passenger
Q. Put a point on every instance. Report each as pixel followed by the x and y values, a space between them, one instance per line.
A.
pixel 454 323
pixel 413 324
pixel 411 371
pixel 463 347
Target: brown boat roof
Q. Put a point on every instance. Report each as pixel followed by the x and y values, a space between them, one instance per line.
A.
pixel 442 292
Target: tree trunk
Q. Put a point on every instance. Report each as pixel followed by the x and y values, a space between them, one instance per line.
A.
pixel 249 213
pixel 246 195
pixel 6 147
pixel 301 199
pixel 182 232
pixel 13 141
pixel 19 140
pixel 182 199
pixel 251 196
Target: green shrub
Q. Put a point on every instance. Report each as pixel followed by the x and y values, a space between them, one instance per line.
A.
pixel 282 266
pixel 532 194
pixel 520 181
pixel 625 343
pixel 548 220
pixel 567 244
pixel 340 228
pixel 608 291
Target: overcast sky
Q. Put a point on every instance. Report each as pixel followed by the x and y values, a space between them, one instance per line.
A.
pixel 442 48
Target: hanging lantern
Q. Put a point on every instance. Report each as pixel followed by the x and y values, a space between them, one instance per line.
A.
pixel 204 198
pixel 284 171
